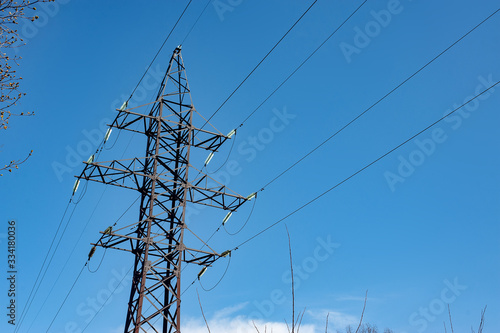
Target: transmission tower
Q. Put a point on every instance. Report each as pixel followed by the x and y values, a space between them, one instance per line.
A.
pixel 166 187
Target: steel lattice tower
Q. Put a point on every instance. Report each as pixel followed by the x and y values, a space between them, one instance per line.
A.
pixel 161 178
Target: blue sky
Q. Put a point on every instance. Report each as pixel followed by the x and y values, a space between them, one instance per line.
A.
pixel 419 229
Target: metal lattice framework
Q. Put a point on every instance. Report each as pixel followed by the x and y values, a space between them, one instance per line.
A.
pixel 161 178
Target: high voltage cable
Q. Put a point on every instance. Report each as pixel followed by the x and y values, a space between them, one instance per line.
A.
pixel 342 129
pixel 159 50
pixel 21 321
pixel 26 308
pixel 88 261
pixel 372 106
pixel 99 149
pixel 357 117
pixel 260 62
pixel 79 274
pixel 195 22
pixel 365 167
pixel 65 264
pixel 303 62
pixel 67 295
pixel 48 265
pixel 73 250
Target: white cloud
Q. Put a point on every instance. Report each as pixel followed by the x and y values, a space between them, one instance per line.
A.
pixel 336 320
pixel 350 298
pixel 226 312
pixel 225 321
pixel 239 324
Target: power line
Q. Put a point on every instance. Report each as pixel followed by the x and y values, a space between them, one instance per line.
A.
pixel 73 250
pixel 311 151
pixel 28 302
pixel 159 50
pixel 66 263
pixel 99 150
pixel 363 168
pixel 80 273
pixel 48 265
pixel 260 62
pixel 303 62
pixel 333 33
pixel 296 69
pixel 67 295
pixel 195 22
pixel 372 106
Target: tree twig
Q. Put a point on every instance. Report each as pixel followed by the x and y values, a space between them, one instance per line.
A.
pixel 15 164
pixel 301 316
pixel 362 313
pixel 287 327
pixel 481 323
pixel 253 322
pixel 449 314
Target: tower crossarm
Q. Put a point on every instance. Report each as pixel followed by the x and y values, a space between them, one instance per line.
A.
pixel 129 174
pixel 122 173
pixel 215 197
pixel 125 243
pixel 205 139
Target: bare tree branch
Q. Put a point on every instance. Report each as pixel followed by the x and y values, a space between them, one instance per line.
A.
pixel 301 316
pixel 481 323
pixel 12 12
pixel 362 313
pixel 449 314
pixel 14 164
pixel 253 322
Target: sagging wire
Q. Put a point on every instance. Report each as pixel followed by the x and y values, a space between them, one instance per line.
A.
pixel 243 226
pixel 77 201
pixel 220 280
pixel 227 157
pixel 100 262
pixel 116 140
pixel 107 231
